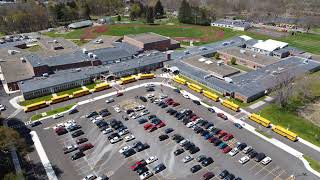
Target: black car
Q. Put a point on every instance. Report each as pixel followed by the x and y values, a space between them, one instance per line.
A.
pixel 142 170
pixel 170 110
pixel 238 178
pixel 163 137
pixel 130 111
pixel 253 154
pixel 217 142
pixel 105 113
pixel 223 174
pixel 178 152
pixel 136 143
pixel 73 111
pixel 94 113
pixel 181 116
pixel 259 157
pixel 125 118
pixel 129 153
pixel 102 124
pixel 142 121
pixel 229 177
pixel 211 110
pixel 196 102
pixel 152 117
pixel 77 133
pixel 186 121
pixel 143 99
pixel 205 132
pixel 215 131
pixel 164 106
pixel 36 123
pixel 189 145
pixel 173 112
pixel 195 168
pixel 178 139
pixel 113 135
pixel 177 114
pixel 77 155
pixel 201 158
pixel 207 161
pixel 159 168
pixel 168 130
pixel 81 140
pixel 194 150
pixel 176 90
pixel 207 126
pixel 156 121
pixel 242 146
pixel 142 147
pixel 149 89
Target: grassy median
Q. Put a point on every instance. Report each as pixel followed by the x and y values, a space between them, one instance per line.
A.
pixel 52 112
pixel 313 163
pixel 31 101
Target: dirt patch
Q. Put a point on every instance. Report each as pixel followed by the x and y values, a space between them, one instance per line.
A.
pixel 269 32
pixel 93 32
pixel 311 113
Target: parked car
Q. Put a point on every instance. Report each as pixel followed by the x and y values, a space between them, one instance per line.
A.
pixel 73 111
pixel 119 94
pixel 207 175
pixel 85 147
pixel 110 100
pixel 226 149
pixel 57 116
pixel 238 125
pixel 163 137
pixel 196 102
pixel 35 123
pixel 142 120
pixel 266 160
pixel 129 153
pixel 168 130
pixel 2 107
pixel 227 137
pixel 77 133
pixel 129 138
pixel 90 177
pixel 145 175
pixel 234 151
pixel 159 168
pixel 247 149
pixel 77 155
pixel 222 116
pixel 252 154
pixel 207 161
pixel 195 168
pixel 244 159
pixel 241 146
pixel 259 157
pixel 81 140
pixel 178 152
pixel 211 110
pixel 143 99
pixel 187 159
pixel 70 149
pixel 89 115
pixel 201 158
pixel 151 159
pixel 223 174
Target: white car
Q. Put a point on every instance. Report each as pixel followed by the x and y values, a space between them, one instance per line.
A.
pixel 107 131
pixel 156 101
pixel 266 160
pixel 247 149
pixel 187 159
pixel 124 132
pixel 124 149
pixel 150 96
pixel 190 124
pixel 145 112
pixel 186 96
pixel 57 116
pixel 244 159
pixel 163 96
pixel 210 128
pixel 183 142
pixel 110 100
pixel 151 159
pixel 145 175
pixel 99 118
pixel 90 177
pixel 129 138
pixel 135 116
pixel 132 114
pixel 115 139
pixel 233 152
pixel 2 107
pixel 117 109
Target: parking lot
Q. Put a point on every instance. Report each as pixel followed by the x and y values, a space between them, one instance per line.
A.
pixel 104 158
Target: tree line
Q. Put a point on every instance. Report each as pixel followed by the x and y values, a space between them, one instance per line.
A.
pixel 193 14
pixel 147 12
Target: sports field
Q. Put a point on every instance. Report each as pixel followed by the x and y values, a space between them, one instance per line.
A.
pixel 199 34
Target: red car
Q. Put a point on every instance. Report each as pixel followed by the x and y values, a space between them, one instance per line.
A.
pixel 168 100
pixel 222 133
pixel 61 131
pixel 147 126
pixel 226 149
pixel 153 128
pixel 211 139
pixel 85 147
pixel 222 116
pixel 119 94
pixel 175 104
pixel 228 137
pixel 161 124
pixel 193 118
pixel 138 165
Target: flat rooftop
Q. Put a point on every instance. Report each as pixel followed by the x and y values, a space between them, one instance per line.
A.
pixel 15 71
pixel 106 42
pixel 148 37
pixel 211 66
pixel 249 55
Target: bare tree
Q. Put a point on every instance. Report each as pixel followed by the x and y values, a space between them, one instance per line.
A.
pixel 283 89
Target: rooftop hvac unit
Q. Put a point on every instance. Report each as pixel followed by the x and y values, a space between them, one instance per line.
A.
pixel 208 62
pixel 306 61
pixel 84 50
pixel 219 63
pixel 23 60
pixel 95 56
pixel 78 69
pixel 90 54
pixel 228 80
pixel 254 56
pixel 201 59
pixel 55 41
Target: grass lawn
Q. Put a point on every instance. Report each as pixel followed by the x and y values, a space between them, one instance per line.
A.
pixel 34 48
pixel 74 34
pixel 241 67
pixel 291 120
pixel 69 91
pixel 52 112
pixel 313 163
pixel 31 101
pixel 80 42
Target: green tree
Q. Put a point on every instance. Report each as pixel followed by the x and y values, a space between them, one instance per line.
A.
pixel 149 15
pixel 158 10
pixel 185 14
pixel 119 18
pixel 135 11
pixel 233 61
pixel 10 137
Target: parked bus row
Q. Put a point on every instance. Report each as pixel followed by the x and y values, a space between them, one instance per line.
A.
pixel 254 117
pixel 84 92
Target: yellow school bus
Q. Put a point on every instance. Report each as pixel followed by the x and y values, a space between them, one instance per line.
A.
pixel 230 105
pixel 195 87
pixel 58 99
pixel 261 120
pixel 35 106
pixel 101 87
pixel 80 93
pixel 211 96
pixel 127 80
pixel 180 80
pixel 145 76
pixel 286 133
